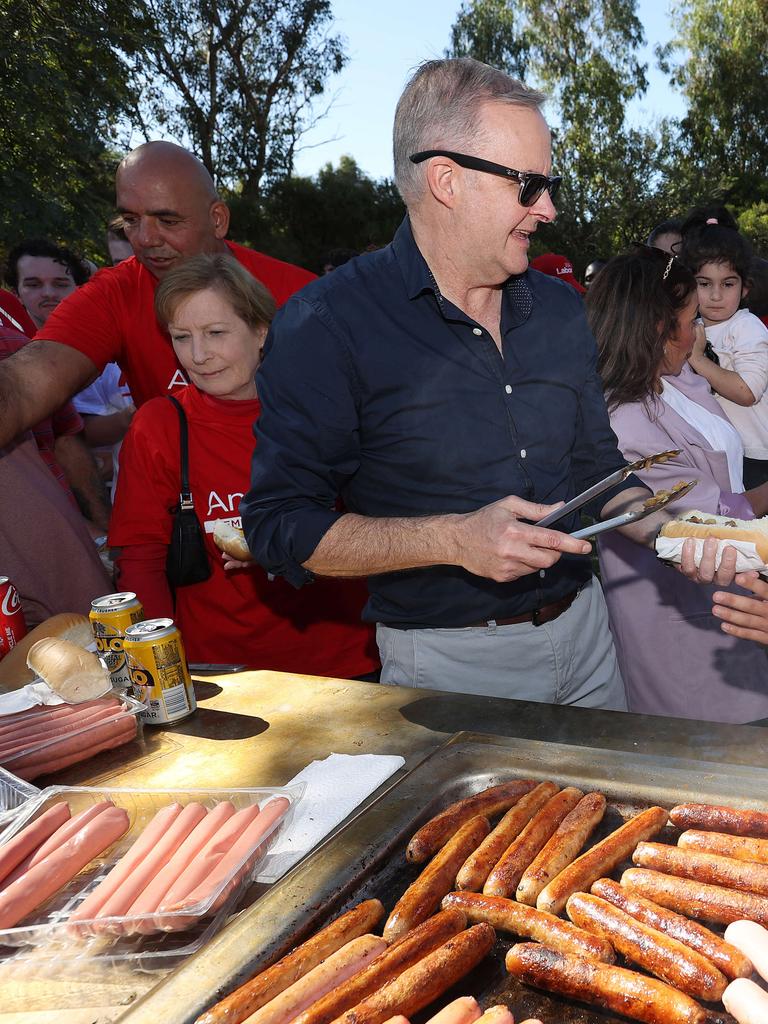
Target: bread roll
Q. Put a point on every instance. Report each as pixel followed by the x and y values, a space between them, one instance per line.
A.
pixel 14 672
pixel 231 540
pixel 72 672
pixel 725 528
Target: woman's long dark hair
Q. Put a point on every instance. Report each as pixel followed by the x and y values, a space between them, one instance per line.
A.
pixel 632 308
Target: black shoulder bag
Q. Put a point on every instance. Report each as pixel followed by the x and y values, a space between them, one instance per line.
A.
pixel 187 560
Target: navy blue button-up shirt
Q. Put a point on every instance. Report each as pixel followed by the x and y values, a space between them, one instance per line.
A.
pixel 377 389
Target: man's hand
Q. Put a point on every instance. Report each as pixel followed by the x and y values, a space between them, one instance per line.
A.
pixel 706 572
pixel 745 617
pixel 493 542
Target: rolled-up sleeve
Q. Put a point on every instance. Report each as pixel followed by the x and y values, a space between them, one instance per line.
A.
pixel 307 439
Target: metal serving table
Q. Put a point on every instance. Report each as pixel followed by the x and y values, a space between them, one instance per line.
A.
pixel 262 728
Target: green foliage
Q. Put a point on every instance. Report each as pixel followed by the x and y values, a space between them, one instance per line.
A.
pixel 301 219
pixel 62 93
pixel 237 78
pixel 722 70
pixel 753 222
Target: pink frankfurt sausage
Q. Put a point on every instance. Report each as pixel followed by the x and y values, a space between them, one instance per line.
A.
pixel 151 898
pixel 51 874
pixel 27 841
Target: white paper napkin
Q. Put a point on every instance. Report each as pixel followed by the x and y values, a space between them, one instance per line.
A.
pixel 335 787
pixel 671 548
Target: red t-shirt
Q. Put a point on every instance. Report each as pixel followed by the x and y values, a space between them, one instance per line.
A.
pixel 234 616
pixel 111 319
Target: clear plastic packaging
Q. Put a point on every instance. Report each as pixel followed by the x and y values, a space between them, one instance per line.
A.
pixel 47 930
pixel 14 793
pixel 132 706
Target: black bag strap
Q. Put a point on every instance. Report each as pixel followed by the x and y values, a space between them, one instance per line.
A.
pixel 185 495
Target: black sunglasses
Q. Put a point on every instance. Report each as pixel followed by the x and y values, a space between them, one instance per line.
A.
pixel 532 185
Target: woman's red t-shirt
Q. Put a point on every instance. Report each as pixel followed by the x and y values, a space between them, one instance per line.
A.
pixel 236 616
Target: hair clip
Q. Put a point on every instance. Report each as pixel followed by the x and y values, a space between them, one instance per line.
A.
pixel 665 275
pixel 712 220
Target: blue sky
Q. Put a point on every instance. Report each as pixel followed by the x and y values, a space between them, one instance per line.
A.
pixel 385 41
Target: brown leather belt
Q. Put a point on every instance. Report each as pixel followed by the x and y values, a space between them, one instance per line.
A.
pixel 538 616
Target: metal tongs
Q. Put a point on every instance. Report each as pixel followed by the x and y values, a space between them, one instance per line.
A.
pixel 646 508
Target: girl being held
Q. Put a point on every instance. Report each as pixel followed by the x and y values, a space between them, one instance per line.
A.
pixel 720 259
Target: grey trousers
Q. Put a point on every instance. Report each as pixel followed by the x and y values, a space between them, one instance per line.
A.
pixel 570 660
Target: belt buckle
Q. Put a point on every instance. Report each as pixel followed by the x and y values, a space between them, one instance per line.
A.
pixel 535 620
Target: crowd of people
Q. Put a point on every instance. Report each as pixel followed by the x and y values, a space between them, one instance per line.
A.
pixel 390 433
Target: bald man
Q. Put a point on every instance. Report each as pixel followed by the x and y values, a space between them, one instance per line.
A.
pixel 171 211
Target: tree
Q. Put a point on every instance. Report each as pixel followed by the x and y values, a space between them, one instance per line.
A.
pixel 583 55
pixel 63 92
pixel 722 145
pixel 237 78
pixel 301 219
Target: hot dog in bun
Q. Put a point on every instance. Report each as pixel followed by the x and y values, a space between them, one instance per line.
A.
pixel 724 528
pixel 231 541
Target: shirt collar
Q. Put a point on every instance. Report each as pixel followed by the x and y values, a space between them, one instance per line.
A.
pixel 518 297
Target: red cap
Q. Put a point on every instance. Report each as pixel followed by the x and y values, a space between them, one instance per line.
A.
pixel 557 266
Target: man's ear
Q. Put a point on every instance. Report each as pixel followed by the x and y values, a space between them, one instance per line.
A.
pixel 443 180
pixel 219 214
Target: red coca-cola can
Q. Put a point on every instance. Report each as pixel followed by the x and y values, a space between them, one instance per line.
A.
pixel 12 624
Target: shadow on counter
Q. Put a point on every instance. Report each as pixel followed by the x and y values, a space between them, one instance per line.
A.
pixel 615 730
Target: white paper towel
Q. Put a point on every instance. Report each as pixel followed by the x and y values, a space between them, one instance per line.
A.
pixel 335 787
pixel 671 549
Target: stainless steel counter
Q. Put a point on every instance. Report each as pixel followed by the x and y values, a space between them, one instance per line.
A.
pixel 263 727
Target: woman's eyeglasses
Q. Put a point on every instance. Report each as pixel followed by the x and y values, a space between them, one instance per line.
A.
pixel 532 185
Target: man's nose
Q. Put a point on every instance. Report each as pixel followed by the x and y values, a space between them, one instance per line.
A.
pixel 147 234
pixel 544 208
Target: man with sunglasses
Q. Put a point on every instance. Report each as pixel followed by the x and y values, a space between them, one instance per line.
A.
pixel 449 397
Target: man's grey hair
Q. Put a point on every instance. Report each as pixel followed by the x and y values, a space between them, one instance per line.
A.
pixel 439 109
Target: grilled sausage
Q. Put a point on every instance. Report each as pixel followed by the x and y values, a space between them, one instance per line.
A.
pixel 333 971
pixel 254 994
pixel 601 859
pixel 505 876
pixel 438 830
pixel 652 950
pixel 530 923
pixel 478 866
pixel 696 899
pixel 562 848
pixel 613 988
pixel 746 1001
pixel 414 946
pixel 739 847
pixel 425 981
pixel 438 878
pixel 703 867
pixel 713 818
pixel 724 955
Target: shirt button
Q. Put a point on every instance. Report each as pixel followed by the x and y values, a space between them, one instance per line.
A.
pixel 523 453
pixel 542 573
pixel 508 388
pixel 477 331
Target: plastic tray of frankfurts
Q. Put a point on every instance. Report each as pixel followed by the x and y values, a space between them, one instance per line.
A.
pixel 137 875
